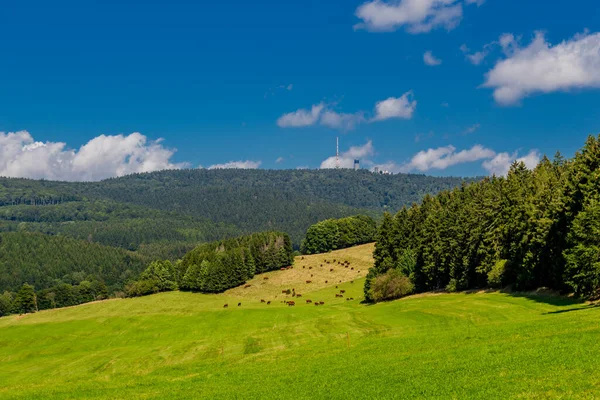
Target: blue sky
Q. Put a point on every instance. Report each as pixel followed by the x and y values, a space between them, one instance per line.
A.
pixel 214 79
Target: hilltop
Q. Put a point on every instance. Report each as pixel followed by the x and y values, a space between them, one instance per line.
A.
pixel 242 200
pixel 185 345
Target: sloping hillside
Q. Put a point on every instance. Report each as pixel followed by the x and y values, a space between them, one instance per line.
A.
pixel 184 345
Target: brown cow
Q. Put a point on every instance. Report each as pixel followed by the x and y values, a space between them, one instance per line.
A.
pixel 298 295
pixel 283 269
pixel 352 269
pixel 342 291
pixel 321 302
pixel 262 301
pixel 239 304
pixel 308 281
pixel 316 303
pixel 266 278
pixel 284 291
pixel 338 295
pixel 247 286
pixel 309 267
pixel 291 303
pixel 268 302
pixel 226 305
pixel 308 301
pixel 331 270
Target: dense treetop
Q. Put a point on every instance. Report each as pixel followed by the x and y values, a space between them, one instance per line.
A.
pixel 534 228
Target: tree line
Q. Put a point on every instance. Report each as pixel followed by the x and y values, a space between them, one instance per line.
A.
pixel 532 228
pixel 217 266
pixel 334 234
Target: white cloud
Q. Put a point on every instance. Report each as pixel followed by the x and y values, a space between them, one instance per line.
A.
pixel 444 157
pixel 543 68
pixel 100 158
pixel 429 59
pixel 501 163
pixel 417 16
pixel 301 117
pixel 279 160
pixel 402 107
pixel 341 121
pixel 346 159
pixel 237 165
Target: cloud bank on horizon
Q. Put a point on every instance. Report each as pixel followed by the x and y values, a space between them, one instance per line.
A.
pixel 113 156
pixel 102 157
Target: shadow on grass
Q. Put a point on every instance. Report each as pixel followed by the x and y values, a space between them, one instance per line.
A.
pixel 541 295
pixel 588 307
pixel 547 297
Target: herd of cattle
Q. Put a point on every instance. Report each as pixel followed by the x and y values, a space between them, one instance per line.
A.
pixel 292 292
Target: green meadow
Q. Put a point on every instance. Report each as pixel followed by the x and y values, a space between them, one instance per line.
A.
pixel 183 345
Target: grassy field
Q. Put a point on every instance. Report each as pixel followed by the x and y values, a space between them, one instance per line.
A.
pixel 184 345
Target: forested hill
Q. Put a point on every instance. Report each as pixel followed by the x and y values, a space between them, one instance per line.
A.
pixel 249 200
pixel 120 225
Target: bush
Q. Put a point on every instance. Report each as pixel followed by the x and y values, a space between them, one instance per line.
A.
pixel 496 274
pixel 389 286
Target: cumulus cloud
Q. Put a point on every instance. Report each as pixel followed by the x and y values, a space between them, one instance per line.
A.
pixel 417 16
pixel 346 159
pixel 439 158
pixel 444 157
pixel 543 68
pixel 402 107
pixel 237 165
pixel 429 59
pixel 302 117
pixel 279 160
pixel 102 157
pixel 500 164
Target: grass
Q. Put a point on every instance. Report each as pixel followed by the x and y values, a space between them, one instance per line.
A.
pixel 183 345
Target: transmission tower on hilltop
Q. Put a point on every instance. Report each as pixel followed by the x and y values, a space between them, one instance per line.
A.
pixel 337 152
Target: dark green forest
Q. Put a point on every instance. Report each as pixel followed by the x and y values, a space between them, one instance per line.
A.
pixel 532 229
pixel 244 200
pixel 334 234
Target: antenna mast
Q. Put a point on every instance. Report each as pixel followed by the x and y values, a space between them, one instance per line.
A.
pixel 337 152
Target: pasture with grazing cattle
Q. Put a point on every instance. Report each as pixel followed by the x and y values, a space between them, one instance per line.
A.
pixel 181 345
